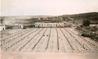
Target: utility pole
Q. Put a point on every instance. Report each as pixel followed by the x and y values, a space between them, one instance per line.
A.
pixel 2 23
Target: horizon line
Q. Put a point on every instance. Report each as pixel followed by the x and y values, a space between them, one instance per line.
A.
pixel 44 15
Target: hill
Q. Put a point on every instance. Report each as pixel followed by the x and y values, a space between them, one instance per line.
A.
pixel 75 18
pixel 92 16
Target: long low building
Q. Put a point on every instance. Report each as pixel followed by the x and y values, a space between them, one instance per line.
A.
pixel 60 24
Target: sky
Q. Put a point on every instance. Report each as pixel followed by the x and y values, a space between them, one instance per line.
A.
pixel 46 7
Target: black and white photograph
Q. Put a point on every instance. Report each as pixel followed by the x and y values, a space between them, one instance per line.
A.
pixel 48 29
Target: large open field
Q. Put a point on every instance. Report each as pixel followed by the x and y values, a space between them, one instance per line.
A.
pixel 46 40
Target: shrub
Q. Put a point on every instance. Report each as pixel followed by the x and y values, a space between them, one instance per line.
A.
pixel 86 22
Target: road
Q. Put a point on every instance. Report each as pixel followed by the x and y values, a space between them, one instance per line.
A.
pixel 47 40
